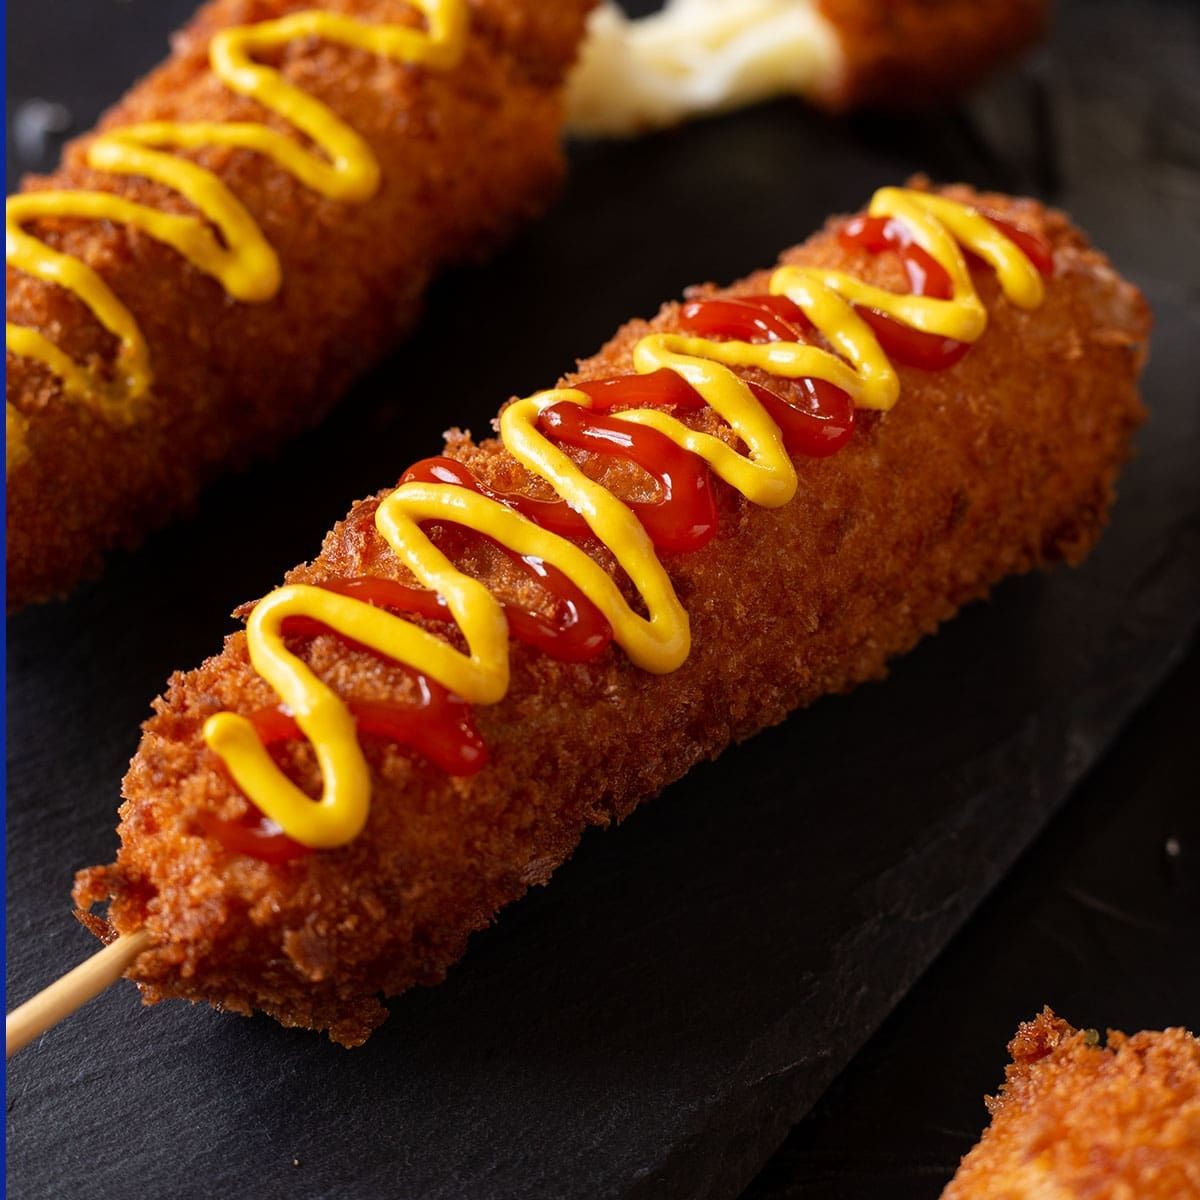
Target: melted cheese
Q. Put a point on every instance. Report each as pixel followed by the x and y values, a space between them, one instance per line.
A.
pixel 697 57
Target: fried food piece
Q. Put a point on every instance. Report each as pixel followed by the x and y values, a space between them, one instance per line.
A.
pixel 697 57
pixel 1078 1120
pixel 1003 462
pixel 467 153
pixel 919 51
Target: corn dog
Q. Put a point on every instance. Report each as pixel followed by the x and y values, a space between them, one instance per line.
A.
pixel 915 53
pixel 1076 1118
pixel 246 231
pixel 750 501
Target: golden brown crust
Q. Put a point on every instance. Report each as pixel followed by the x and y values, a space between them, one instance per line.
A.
pixel 466 155
pixel 1079 1121
pixel 1000 464
pixel 906 53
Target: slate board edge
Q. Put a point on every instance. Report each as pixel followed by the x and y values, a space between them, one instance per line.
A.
pixel 790 1094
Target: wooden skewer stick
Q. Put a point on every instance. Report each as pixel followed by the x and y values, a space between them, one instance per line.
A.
pixel 72 991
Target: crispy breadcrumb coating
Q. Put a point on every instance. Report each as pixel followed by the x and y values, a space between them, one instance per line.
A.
pixel 907 53
pixel 466 154
pixel 1002 463
pixel 1075 1120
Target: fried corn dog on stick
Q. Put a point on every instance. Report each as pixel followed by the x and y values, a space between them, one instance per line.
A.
pixel 831 507
pixel 1078 1119
pixel 697 57
pixel 251 227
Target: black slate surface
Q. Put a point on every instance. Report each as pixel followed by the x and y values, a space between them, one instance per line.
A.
pixel 689 985
pixel 1098 919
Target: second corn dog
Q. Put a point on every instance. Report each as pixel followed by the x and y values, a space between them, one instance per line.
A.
pixel 247 231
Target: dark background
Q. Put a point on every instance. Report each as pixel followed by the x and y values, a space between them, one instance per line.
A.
pixel 1098 918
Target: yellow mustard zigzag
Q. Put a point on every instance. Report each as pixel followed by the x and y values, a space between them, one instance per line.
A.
pixel 342 167
pixel 659 642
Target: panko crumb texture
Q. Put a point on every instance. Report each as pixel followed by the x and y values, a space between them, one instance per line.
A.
pixel 467 155
pixel 1000 464
pixel 1080 1120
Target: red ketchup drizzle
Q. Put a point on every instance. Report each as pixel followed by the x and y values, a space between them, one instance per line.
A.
pixel 816 421
pixel 439 725
pixel 819 419
pixel 658 389
pixel 747 318
pixel 255 836
pixel 682 517
pixel 577 632
pixel 1032 245
pixel 926 277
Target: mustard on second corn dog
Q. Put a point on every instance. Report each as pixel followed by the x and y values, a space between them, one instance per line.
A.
pixel 247 231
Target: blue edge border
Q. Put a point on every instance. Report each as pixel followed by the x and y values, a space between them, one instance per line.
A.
pixel 4 649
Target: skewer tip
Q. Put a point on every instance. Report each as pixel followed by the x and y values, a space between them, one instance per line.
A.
pixel 73 990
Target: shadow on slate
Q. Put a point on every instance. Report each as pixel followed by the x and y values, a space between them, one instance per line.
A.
pixel 653 1023
pixel 1098 920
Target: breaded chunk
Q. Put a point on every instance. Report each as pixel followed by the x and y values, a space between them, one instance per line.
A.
pixel 466 155
pixel 1076 1120
pixel 999 464
pixel 906 53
